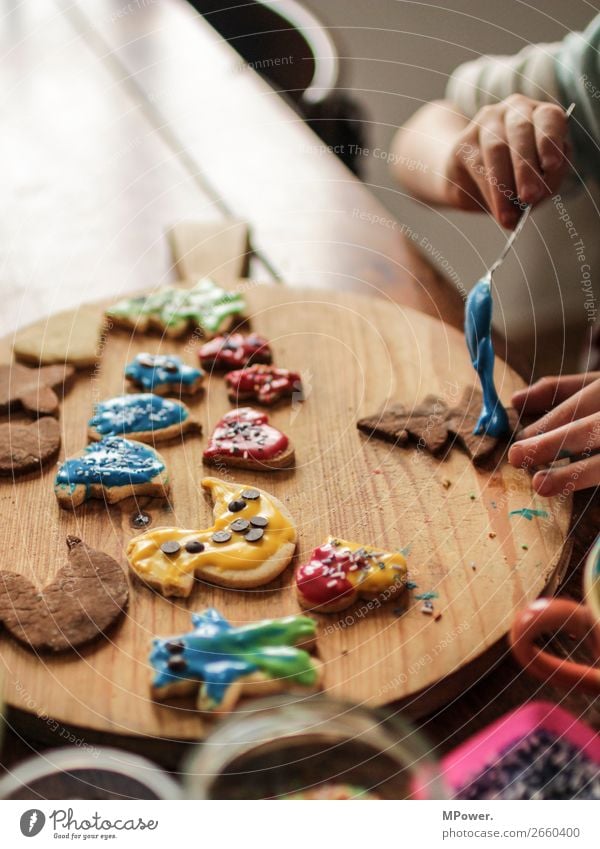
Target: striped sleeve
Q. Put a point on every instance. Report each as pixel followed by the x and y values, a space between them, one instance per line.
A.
pixel 564 72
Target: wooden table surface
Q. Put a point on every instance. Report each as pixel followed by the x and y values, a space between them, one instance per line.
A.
pixel 120 120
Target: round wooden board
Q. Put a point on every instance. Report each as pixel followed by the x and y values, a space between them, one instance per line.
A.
pixel 452 518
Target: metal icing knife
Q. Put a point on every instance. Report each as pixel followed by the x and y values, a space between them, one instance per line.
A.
pixel 515 233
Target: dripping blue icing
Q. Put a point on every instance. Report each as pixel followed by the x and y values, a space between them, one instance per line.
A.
pixel 110 462
pixel 136 414
pixel 217 653
pixel 152 370
pixel 493 420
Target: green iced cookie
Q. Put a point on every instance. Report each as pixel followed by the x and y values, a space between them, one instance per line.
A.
pixel 173 310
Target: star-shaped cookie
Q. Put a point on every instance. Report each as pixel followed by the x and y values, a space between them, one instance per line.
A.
pixel 32 389
pixel 436 426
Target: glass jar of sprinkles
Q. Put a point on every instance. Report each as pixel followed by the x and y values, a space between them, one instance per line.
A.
pixel 312 749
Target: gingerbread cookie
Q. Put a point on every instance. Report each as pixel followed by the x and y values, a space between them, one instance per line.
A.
pixel 244 438
pixel 250 543
pixel 223 663
pixel 111 470
pixel 83 600
pixel 67 337
pixel 32 389
pixel 144 417
pixel 164 374
pixel 173 311
pixel 234 351
pixel 340 572
pixel 25 447
pixel 263 384
pixel 436 426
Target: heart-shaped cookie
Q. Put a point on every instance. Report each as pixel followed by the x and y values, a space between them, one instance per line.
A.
pixel 244 438
pixel 25 446
pixel 83 600
pixel 111 469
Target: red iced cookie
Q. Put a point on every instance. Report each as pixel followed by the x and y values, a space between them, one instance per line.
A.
pixel 263 384
pixel 244 438
pixel 339 572
pixel 235 350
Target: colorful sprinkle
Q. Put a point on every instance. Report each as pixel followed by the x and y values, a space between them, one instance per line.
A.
pixel 529 513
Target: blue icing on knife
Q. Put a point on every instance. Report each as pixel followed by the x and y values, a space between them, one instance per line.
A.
pixel 493 420
pixel 111 462
pixel 140 413
pixel 153 371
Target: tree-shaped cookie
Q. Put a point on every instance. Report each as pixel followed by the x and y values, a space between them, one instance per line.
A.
pixel 436 426
pixel 223 663
pixel 32 389
pixel 173 310
pixel 85 597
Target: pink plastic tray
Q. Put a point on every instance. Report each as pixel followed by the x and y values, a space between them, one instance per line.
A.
pixel 465 763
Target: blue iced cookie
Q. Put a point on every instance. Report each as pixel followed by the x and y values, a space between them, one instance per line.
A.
pixel 221 662
pixel 147 417
pixel 164 374
pixel 111 469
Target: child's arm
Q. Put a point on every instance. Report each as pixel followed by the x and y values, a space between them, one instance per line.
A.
pixel 500 133
pixel 569 426
pixel 422 148
pixel 511 151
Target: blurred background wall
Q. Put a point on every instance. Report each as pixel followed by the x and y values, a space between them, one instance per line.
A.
pixel 399 54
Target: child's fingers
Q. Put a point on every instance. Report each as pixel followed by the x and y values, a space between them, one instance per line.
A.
pixel 580 437
pixel 498 167
pixel 549 391
pixel 472 161
pixel 523 150
pixel 581 404
pixel 550 129
pixel 580 475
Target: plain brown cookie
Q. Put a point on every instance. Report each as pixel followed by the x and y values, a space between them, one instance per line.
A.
pixel 32 389
pixel 436 426
pixel 67 337
pixel 25 446
pixel 84 599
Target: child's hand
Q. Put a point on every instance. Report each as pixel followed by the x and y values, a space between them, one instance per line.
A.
pixel 515 150
pixel 570 426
